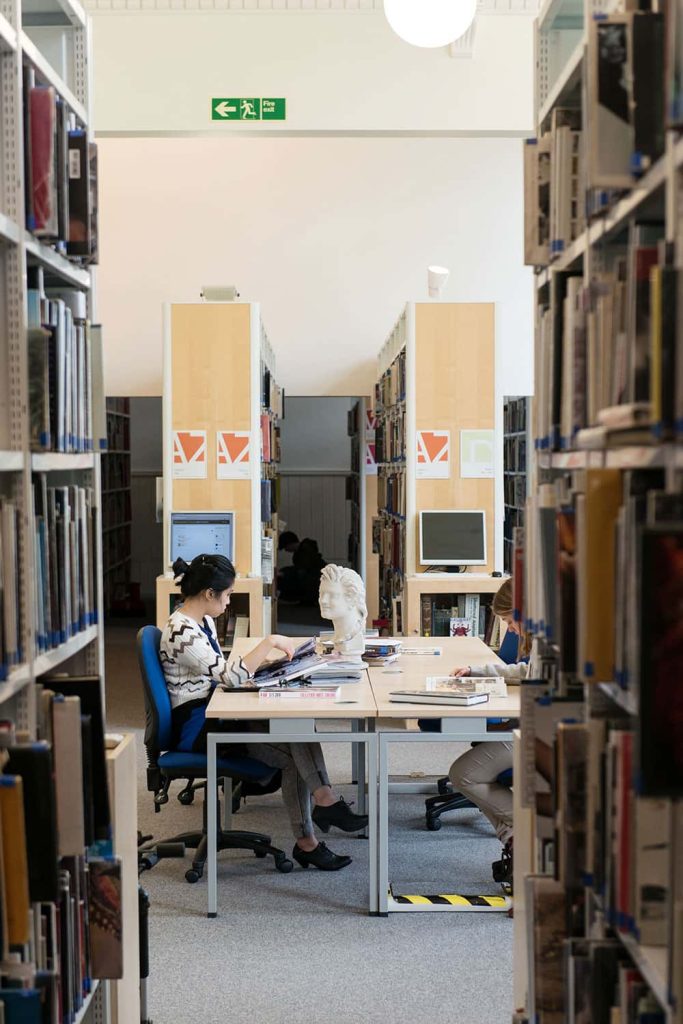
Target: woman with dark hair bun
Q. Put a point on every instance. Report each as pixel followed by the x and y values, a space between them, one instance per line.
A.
pixel 194 665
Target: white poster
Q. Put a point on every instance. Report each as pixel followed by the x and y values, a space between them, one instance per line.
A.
pixel 233 454
pixel 476 453
pixel 189 455
pixel 433 455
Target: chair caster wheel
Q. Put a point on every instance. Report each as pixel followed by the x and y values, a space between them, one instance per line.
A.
pixel 260 854
pixel 433 824
pixel 283 865
pixel 192 875
pixel 186 797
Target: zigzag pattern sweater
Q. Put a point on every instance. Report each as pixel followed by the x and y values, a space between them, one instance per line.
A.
pixel 191 666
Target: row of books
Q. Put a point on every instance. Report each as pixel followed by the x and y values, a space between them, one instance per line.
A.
pixel 514 490
pixel 60 887
pixel 389 541
pixel 60 173
pixel 515 453
pixel 272 395
pixel 115 471
pixel 270 490
pixel 11 652
pixel 65 545
pixel 390 437
pixel 391 387
pixel 66 386
pixel 270 438
pixel 607 353
pixel 391 493
pixel 456 615
pixel 602 561
pixel 609 854
pixel 574 171
pixel 515 415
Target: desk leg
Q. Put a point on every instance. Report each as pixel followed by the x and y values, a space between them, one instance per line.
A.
pixel 360 769
pixel 211 824
pixel 372 812
pixel 383 828
pixel 355 754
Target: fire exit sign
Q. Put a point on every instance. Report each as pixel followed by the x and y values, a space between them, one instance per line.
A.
pixel 249 108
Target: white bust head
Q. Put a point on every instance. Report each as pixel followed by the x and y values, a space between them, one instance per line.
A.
pixel 342 599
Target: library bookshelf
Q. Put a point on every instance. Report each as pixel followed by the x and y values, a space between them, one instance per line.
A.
pixel 362 493
pixel 210 350
pixel 436 380
pixel 601 542
pixel 52 427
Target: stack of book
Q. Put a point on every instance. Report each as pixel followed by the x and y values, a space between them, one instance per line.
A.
pixel 60 886
pixel 66 581
pixel 11 651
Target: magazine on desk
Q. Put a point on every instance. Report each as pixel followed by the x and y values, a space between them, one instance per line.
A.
pixel 437 696
pixel 492 685
pixel 303 664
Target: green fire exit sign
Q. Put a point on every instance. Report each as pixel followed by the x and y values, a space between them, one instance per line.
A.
pixel 250 108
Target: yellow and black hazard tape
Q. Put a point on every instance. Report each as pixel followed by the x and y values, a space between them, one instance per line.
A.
pixel 453 900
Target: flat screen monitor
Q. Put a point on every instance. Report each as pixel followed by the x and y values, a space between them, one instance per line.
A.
pixel 453 537
pixel 202 533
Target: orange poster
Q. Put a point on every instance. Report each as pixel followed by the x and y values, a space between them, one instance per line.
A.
pixel 233 454
pixel 189 455
pixel 433 455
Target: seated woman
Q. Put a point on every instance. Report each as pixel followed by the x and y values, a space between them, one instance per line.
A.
pixel 193 665
pixel 475 773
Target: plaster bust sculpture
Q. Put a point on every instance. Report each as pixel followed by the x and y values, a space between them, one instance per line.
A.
pixel 342 599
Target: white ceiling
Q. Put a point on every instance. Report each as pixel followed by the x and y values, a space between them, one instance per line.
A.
pixel 295 6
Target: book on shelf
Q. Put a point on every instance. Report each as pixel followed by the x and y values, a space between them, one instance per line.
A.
pixel 11 651
pixel 64 529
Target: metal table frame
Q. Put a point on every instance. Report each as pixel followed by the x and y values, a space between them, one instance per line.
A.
pixel 296 730
pixel 463 729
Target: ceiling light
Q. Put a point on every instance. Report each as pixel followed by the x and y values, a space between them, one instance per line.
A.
pixel 430 22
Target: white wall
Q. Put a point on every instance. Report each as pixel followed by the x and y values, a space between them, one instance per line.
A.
pixel 331 235
pixel 157 72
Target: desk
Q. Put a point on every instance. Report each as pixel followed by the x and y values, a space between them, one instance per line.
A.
pixel 458 724
pixel 294 722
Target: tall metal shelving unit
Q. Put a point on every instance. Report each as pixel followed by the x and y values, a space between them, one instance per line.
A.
pixel 561 46
pixel 53 37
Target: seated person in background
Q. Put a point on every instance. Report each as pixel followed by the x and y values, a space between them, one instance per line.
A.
pixel 300 581
pixel 194 665
pixel 475 773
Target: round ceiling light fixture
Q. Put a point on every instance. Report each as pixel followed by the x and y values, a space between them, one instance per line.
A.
pixel 430 23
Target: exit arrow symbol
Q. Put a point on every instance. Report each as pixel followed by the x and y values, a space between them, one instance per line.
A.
pixel 224 109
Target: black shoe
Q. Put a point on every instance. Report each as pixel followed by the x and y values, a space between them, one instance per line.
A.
pixel 341 816
pixel 502 869
pixel 321 858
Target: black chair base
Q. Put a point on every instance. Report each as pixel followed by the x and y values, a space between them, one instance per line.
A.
pixel 259 843
pixel 446 800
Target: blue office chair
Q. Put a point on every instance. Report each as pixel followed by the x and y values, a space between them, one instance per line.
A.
pixel 165 764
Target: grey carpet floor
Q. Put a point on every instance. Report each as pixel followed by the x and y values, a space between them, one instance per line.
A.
pixel 287 948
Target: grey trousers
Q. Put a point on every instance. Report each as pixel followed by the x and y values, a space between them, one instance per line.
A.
pixel 475 775
pixel 303 771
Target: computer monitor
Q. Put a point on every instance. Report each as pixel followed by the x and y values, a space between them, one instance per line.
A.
pixel 202 533
pixel 453 537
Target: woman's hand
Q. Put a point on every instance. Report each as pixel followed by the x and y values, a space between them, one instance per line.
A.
pixel 464 670
pixel 282 643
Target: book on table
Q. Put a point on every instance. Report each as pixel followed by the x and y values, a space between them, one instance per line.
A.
pixel 439 695
pixel 494 686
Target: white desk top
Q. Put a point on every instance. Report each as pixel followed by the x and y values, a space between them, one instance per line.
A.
pixel 229 704
pixel 415 668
